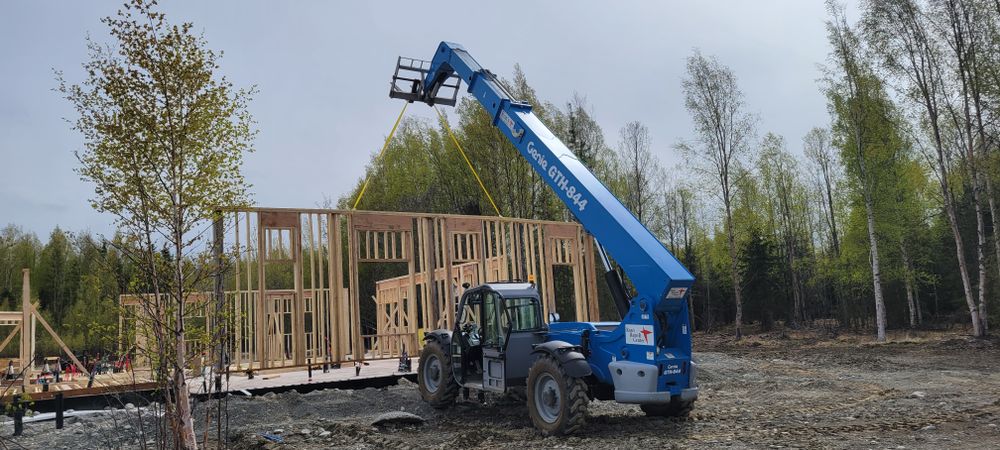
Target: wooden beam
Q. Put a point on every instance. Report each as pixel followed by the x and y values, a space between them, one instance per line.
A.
pixel 579 298
pixel 381 222
pixel 251 318
pixel 10 337
pixel 299 303
pixel 517 231
pixel 278 219
pixel 260 325
pixel 447 251
pixel 26 332
pixel 236 351
pixel 338 321
pixel 561 230
pixel 411 294
pixel 316 284
pixel 357 345
pixel 433 297
pixel 59 341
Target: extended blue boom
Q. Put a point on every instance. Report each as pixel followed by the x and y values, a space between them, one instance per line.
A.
pixel 653 335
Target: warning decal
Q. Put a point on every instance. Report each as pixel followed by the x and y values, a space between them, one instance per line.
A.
pixel 639 334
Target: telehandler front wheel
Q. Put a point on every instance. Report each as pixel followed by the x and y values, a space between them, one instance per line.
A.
pixel 557 402
pixel 434 376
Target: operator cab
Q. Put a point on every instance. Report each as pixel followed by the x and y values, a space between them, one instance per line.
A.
pixel 492 320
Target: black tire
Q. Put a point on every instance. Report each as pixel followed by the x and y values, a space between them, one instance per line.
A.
pixel 676 408
pixel 434 376
pixel 557 403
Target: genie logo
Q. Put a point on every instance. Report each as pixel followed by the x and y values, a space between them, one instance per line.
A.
pixel 559 180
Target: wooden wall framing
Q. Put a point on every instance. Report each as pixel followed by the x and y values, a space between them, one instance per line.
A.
pixel 293 293
pixel 25 324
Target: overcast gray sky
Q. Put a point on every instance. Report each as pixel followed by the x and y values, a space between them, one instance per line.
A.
pixel 323 70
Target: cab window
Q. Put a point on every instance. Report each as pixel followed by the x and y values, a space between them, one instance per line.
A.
pixel 469 322
pixel 523 314
pixel 491 309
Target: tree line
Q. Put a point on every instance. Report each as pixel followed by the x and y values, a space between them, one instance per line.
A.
pixel 76 278
pixel 884 217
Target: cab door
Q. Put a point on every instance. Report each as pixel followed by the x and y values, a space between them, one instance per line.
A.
pixel 466 320
pixel 493 337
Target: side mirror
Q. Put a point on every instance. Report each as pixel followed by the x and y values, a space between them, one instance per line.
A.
pixel 465 285
pixel 553 317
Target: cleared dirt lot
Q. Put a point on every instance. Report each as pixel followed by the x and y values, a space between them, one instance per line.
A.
pixel 767 391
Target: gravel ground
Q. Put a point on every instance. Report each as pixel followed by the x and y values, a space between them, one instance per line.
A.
pixel 766 391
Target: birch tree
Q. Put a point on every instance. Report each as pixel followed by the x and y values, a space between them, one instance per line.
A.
pixel 164 139
pixel 858 108
pixel 820 153
pixel 638 172
pixel 724 132
pixel 777 170
pixel 904 39
pixel 962 35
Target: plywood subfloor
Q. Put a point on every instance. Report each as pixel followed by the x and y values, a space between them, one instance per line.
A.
pixel 278 378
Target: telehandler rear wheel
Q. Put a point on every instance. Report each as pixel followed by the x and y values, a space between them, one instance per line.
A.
pixel 557 402
pixel 675 408
pixel 434 376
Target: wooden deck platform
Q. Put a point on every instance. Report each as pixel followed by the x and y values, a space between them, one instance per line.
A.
pixel 139 385
pixel 104 384
pixel 284 379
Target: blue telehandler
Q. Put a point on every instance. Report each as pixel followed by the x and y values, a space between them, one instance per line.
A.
pixel 501 341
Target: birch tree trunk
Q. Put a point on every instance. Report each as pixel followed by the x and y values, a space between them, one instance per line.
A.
pixel 981 260
pixel 920 313
pixel 185 418
pixel 876 270
pixel 706 317
pixel 788 237
pixel 963 267
pixel 833 218
pixel 996 228
pixel 908 282
pixel 734 269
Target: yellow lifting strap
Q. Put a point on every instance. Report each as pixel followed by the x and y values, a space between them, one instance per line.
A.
pixel 378 158
pixel 462 151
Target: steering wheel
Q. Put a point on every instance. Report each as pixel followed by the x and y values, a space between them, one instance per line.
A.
pixel 471 331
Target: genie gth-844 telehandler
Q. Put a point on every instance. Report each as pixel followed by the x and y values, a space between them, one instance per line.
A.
pixel 504 342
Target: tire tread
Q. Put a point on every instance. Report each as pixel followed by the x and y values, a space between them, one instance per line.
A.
pixel 448 389
pixel 576 399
